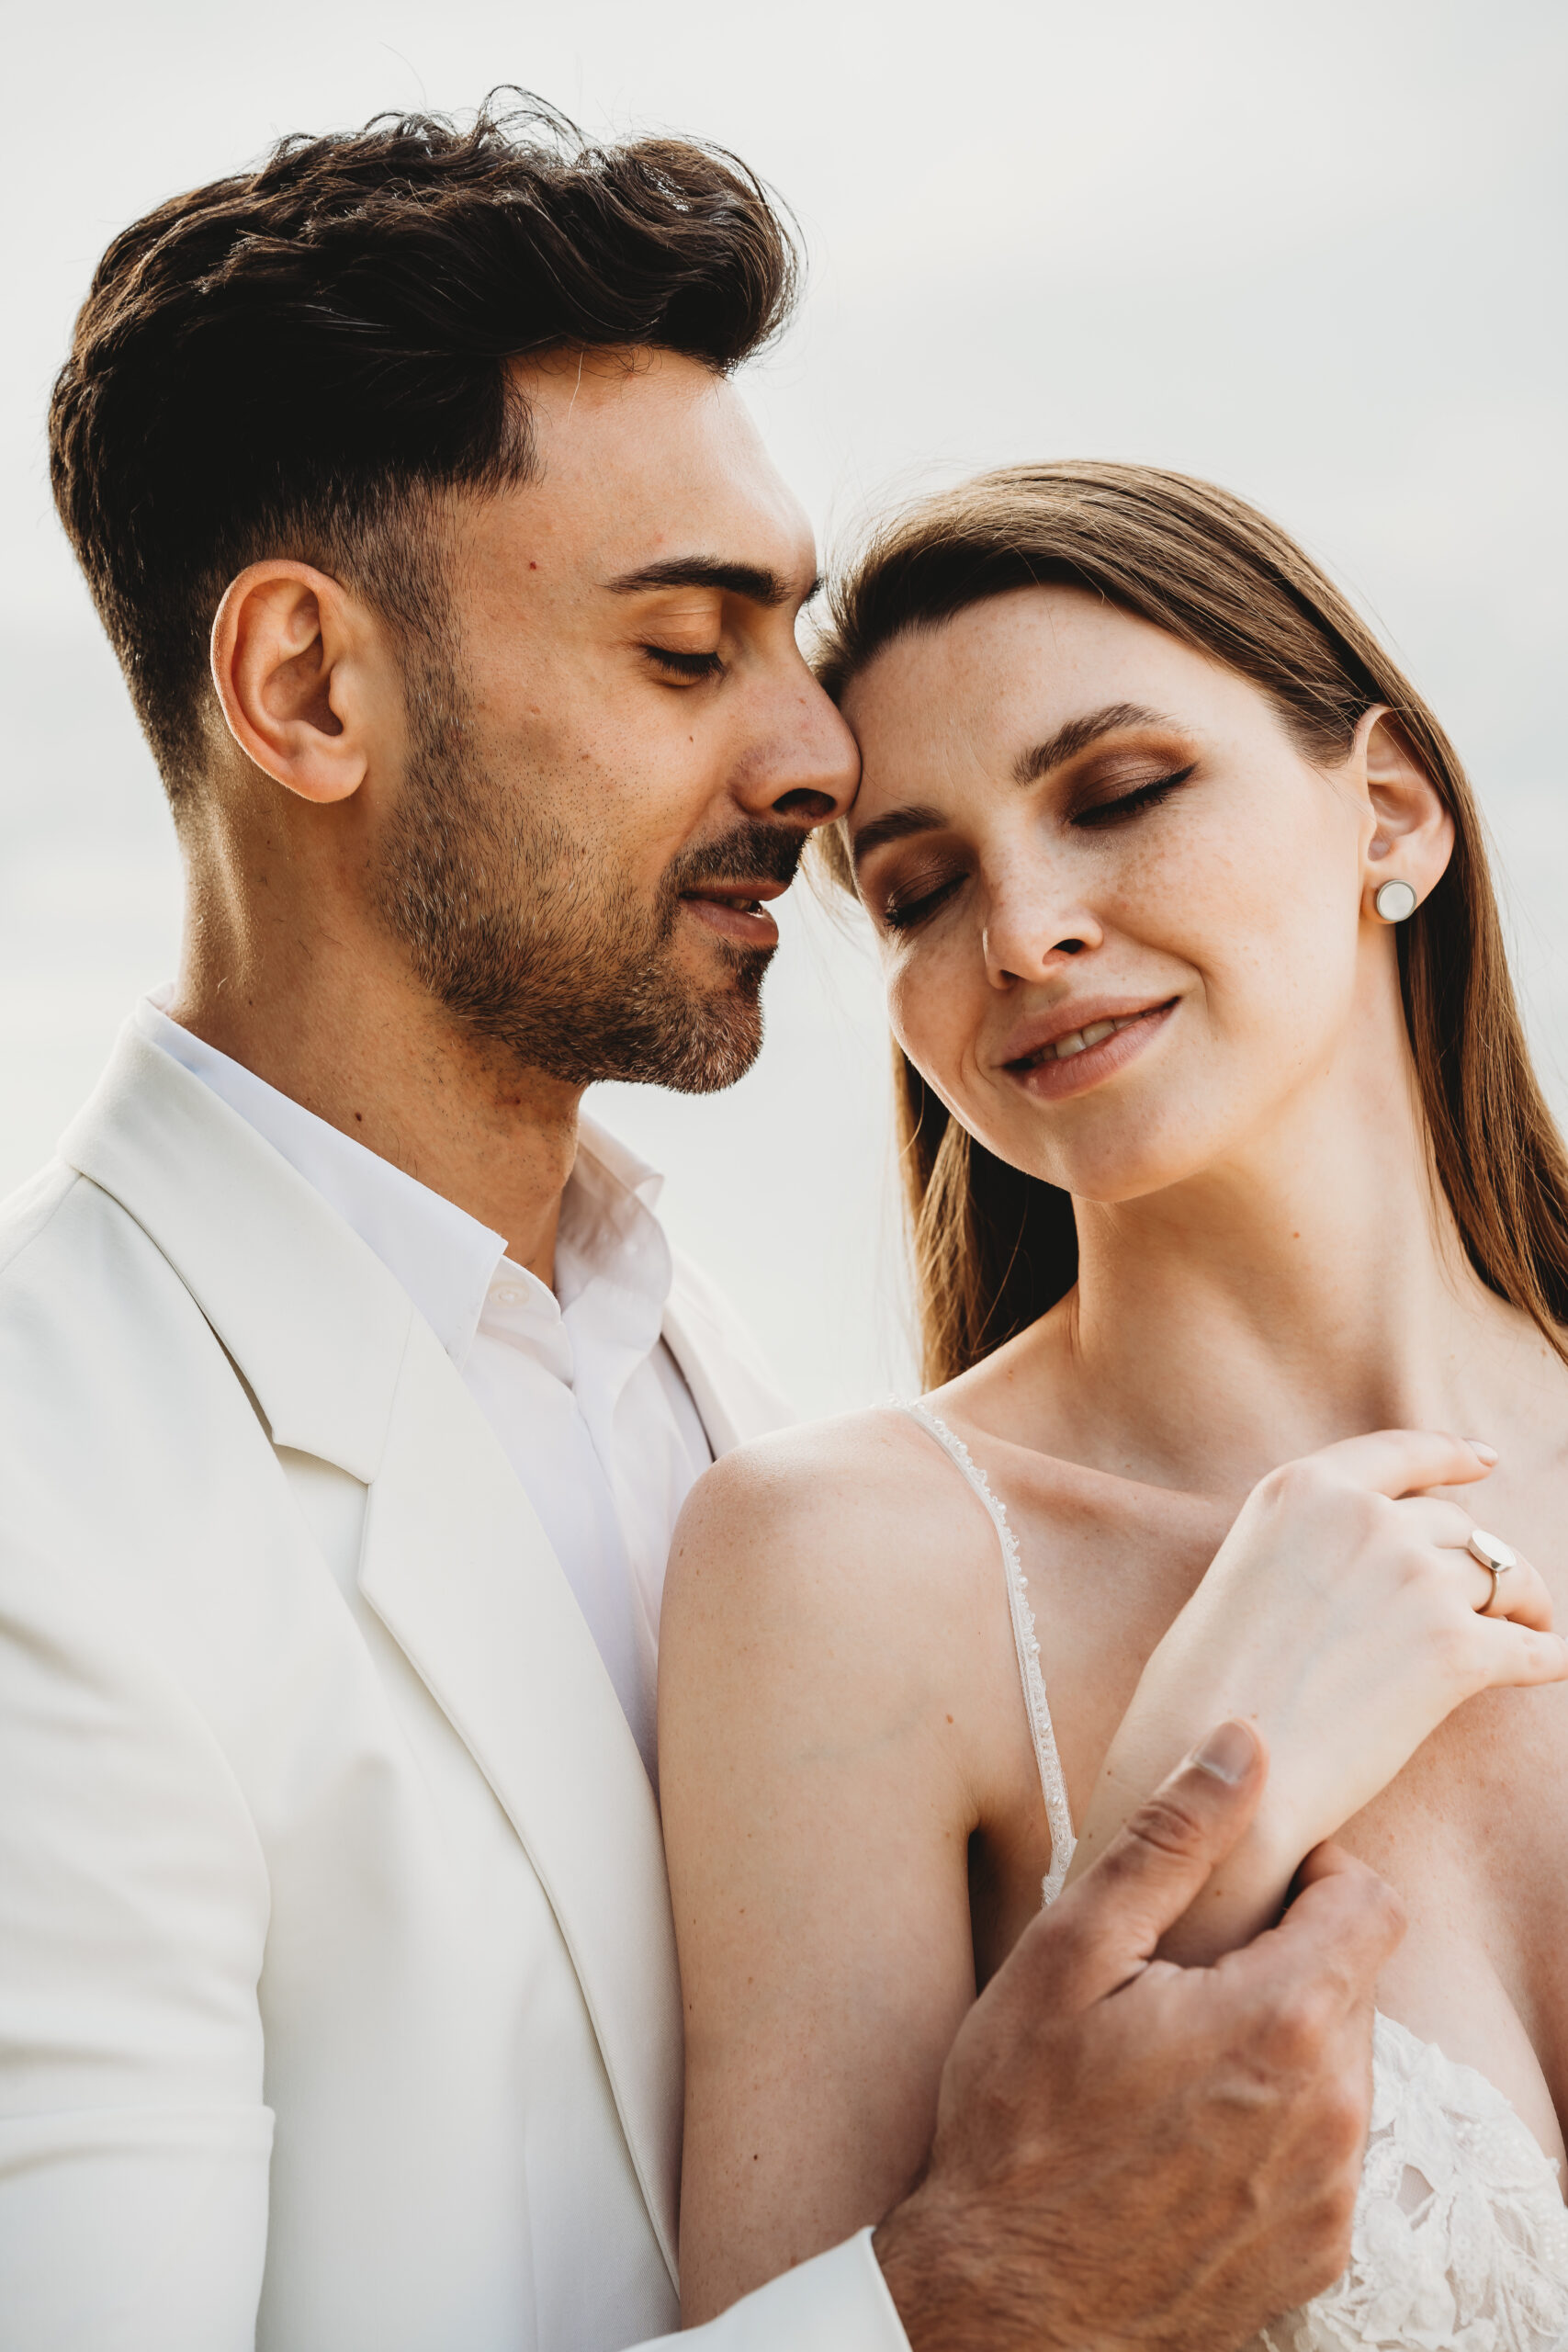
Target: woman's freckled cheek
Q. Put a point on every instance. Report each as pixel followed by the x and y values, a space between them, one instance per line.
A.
pixel 938 1020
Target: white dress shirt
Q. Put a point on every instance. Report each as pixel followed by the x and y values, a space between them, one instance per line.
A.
pixel 577 1383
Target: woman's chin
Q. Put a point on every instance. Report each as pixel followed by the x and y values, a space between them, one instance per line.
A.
pixel 1122 1160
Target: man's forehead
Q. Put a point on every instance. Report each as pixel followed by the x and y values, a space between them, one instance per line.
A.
pixel 649 461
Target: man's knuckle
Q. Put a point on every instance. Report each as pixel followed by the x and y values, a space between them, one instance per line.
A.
pixel 1164 1823
pixel 1297 2027
pixel 1374 1915
pixel 1061 1939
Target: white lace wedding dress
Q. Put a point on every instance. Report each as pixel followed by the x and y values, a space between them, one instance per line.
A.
pixel 1460 2236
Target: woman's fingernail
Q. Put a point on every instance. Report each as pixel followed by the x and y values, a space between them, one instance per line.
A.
pixel 1479 1445
pixel 1227 1753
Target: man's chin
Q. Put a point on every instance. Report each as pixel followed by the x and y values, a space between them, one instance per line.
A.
pixel 717 1044
pixel 693 1032
pixel 709 963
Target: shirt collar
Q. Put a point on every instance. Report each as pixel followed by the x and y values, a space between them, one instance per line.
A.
pixel 608 1230
pixel 620 1163
pixel 446 1259
pixel 614 1267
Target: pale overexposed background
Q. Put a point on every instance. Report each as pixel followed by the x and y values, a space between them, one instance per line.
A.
pixel 1314 252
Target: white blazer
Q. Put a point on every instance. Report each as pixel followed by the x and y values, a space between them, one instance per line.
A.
pixel 338 1997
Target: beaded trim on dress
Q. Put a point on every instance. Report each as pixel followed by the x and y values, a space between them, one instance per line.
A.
pixel 1052 1786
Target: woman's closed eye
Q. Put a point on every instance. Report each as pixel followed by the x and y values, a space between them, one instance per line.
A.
pixel 912 898
pixel 1131 804
pixel 906 904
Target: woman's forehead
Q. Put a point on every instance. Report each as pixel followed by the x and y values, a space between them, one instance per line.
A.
pixel 1019 669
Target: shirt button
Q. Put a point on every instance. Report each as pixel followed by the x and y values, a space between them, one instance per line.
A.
pixel 509 1295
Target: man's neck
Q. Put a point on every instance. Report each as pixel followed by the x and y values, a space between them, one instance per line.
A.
pixel 361 1045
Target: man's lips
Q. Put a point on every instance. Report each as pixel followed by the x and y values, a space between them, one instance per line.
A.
pixel 1072 1050
pixel 736 910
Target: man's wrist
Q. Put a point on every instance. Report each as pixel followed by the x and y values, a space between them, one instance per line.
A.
pixel 953 2285
pixel 909 2246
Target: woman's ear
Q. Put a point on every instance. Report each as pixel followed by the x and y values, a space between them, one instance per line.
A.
pixel 288 668
pixel 1413 834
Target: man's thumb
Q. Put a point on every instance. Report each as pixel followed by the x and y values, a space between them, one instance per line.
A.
pixel 1106 1927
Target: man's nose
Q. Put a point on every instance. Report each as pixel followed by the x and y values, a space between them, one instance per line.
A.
pixel 806 767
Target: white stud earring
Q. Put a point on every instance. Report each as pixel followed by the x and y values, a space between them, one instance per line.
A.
pixel 1395 902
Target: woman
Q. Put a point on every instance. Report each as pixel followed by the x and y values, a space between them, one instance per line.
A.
pixel 1223 1150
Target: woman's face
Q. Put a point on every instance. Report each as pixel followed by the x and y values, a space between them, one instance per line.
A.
pixel 1122 919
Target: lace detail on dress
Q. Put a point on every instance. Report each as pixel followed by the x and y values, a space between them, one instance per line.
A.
pixel 1461 2237
pixel 1052 1786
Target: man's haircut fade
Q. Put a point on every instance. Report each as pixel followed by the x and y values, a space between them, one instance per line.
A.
pixel 298 360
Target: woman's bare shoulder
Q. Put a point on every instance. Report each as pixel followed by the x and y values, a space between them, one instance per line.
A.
pixel 834 1520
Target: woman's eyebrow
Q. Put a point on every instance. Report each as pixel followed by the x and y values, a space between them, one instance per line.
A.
pixel 1075 735
pixel 894 827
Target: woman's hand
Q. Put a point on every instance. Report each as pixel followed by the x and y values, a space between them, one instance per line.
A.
pixel 1343 1615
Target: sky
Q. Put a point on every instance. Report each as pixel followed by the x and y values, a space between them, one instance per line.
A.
pixel 1314 253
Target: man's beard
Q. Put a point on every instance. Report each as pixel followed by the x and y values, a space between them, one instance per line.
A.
pixel 541 946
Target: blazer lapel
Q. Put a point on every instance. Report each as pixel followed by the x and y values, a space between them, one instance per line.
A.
pixel 459 1570
pixel 454 1560
pixel 698 1370
pixel 734 1397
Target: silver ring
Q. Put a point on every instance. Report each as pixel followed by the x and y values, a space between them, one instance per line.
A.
pixel 1495 1556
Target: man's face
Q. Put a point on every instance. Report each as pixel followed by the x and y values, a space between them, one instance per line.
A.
pixel 617 750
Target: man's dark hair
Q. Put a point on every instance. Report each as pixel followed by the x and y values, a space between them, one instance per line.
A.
pixel 298 360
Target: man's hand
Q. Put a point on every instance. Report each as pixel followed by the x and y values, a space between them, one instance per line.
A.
pixel 1128 2153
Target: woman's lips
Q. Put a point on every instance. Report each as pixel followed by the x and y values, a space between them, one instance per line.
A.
pixel 1081 1058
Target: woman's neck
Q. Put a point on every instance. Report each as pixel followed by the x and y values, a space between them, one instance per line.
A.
pixel 1312 1286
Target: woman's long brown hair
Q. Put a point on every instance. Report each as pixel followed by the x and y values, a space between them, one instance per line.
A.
pixel 994 1249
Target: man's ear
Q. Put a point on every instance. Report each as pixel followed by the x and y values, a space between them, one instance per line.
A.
pixel 1413 834
pixel 288 666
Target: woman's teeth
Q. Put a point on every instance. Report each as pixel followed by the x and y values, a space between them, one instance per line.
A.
pixel 1077 1041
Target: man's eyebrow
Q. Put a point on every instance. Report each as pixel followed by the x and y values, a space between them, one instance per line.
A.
pixel 1075 735
pixel 754 581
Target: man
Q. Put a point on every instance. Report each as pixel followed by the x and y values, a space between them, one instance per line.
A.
pixel 351 1390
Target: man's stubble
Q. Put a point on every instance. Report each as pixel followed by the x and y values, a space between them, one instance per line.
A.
pixel 536 938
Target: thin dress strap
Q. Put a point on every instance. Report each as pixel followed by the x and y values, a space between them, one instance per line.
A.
pixel 1052 1786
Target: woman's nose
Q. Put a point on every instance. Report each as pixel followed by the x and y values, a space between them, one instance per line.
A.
pixel 1030 930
